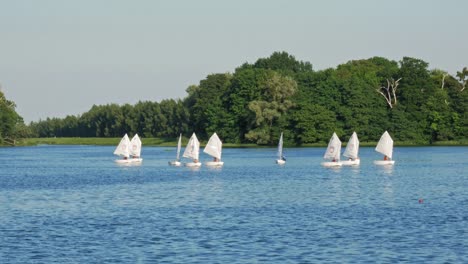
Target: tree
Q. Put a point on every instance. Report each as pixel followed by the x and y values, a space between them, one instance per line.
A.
pixel 209 110
pixel 389 92
pixel 277 91
pixel 9 120
pixel 463 78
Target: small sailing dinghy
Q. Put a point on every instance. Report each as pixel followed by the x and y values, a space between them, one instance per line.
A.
pixel 176 162
pixel 351 151
pixel 333 152
pixel 130 151
pixel 281 159
pixel 213 148
pixel 385 146
pixel 192 151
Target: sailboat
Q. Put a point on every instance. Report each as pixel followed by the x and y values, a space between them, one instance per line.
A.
pixel 176 162
pixel 192 151
pixel 126 149
pixel 385 146
pixel 351 151
pixel 281 160
pixel 213 148
pixel 333 152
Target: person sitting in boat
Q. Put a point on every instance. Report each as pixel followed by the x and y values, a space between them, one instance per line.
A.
pixel 385 157
pixel 283 158
pixel 333 160
pixel 195 161
pixel 124 158
pixel 215 159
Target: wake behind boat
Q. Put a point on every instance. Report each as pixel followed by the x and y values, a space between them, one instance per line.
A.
pixel 351 151
pixel 177 162
pixel 333 152
pixel 281 159
pixel 385 146
pixel 214 148
pixel 192 151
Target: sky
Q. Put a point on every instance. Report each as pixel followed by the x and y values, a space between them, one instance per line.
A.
pixel 60 57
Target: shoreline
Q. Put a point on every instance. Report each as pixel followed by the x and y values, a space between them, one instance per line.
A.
pixel 166 142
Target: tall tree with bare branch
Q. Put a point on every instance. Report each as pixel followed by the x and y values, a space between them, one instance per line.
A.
pixel 463 78
pixel 389 92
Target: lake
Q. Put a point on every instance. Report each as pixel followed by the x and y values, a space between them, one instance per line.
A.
pixel 73 204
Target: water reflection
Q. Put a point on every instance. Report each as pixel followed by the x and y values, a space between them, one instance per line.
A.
pixel 388 169
pixel 130 164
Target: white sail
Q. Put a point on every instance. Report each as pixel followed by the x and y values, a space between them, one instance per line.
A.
pixel 193 148
pixel 333 151
pixel 123 147
pixel 179 145
pixel 280 147
pixel 385 145
pixel 135 146
pixel 214 147
pixel 352 148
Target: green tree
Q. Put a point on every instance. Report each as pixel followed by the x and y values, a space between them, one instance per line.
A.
pixel 9 119
pixel 276 94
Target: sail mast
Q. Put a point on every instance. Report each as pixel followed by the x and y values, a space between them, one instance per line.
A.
pixel 193 148
pixel 385 145
pixel 352 148
pixel 179 145
pixel 123 147
pixel 214 147
pixel 135 146
pixel 333 151
pixel 280 147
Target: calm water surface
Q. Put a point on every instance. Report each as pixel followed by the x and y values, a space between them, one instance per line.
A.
pixel 72 204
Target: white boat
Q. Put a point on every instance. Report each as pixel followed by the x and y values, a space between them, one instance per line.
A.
pixel 351 151
pixel 192 151
pixel 177 162
pixel 129 150
pixel 385 146
pixel 281 159
pixel 333 152
pixel 214 148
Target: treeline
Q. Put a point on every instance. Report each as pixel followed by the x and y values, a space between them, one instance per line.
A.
pixel 11 124
pixel 280 93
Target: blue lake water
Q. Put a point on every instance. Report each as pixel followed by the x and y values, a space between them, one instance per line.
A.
pixel 73 204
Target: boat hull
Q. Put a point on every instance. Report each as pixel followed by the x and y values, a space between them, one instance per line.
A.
pixel 214 163
pixel 350 162
pixel 280 162
pixel 127 161
pixel 384 162
pixel 192 164
pixel 331 164
pixel 175 163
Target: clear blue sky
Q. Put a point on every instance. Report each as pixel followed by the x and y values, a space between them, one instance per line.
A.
pixel 59 57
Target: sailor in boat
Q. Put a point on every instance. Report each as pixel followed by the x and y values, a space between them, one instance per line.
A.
pixel 215 159
pixel 385 157
pixel 283 158
pixel 195 161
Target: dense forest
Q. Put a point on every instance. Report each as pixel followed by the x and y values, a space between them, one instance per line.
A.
pixel 279 93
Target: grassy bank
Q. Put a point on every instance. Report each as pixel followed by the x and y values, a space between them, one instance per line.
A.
pixel 163 142
pixel 171 142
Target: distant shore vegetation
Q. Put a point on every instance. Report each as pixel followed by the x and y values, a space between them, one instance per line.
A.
pixel 255 103
pixel 172 142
